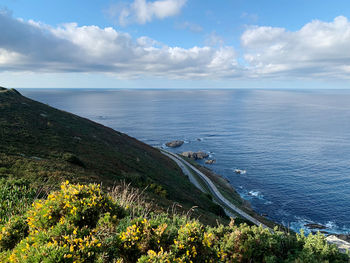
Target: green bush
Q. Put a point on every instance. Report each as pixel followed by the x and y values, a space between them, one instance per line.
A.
pixel 194 244
pixel 160 257
pixel 62 228
pixel 80 223
pixel 15 197
pixel 71 158
pixel 12 232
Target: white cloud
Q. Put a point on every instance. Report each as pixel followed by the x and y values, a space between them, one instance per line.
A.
pixel 195 28
pixel 31 46
pixel 318 49
pixel 213 39
pixel 142 11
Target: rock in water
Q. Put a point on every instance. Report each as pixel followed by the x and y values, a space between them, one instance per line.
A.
pixel 195 155
pixel 174 144
pixel 210 161
pixel 202 155
pixel 315 226
pixel 188 154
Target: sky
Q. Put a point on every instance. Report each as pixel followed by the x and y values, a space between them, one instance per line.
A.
pixel 175 44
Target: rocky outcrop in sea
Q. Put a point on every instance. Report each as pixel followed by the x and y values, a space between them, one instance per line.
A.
pixel 174 144
pixel 195 155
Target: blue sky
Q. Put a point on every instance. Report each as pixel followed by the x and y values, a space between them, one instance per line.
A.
pixel 175 44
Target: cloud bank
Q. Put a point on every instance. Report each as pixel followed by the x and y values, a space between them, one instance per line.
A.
pixel 318 50
pixel 31 46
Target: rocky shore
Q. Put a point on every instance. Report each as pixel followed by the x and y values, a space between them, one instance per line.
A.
pixel 195 155
pixel 210 161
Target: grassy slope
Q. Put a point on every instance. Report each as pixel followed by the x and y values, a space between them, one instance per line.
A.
pixel 36 141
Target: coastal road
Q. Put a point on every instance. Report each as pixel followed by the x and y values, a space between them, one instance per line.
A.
pixel 185 170
pixel 342 245
pixel 211 186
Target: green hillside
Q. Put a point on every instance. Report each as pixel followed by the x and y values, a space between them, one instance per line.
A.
pixel 48 146
pixel 50 213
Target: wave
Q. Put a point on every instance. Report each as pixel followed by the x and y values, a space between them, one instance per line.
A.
pixel 252 194
pixel 331 227
pixel 164 146
pixel 239 171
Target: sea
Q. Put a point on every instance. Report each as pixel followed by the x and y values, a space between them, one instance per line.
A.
pixel 293 144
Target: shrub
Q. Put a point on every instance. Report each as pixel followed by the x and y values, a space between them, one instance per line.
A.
pixel 160 257
pixel 80 223
pixel 71 158
pixel 62 228
pixel 316 249
pixel 15 197
pixel 142 235
pixel 158 189
pixel 193 244
pixel 14 231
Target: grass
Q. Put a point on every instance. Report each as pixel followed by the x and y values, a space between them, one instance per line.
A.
pixel 15 197
pixel 46 146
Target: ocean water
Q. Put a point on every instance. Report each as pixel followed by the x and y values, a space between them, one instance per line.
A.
pixel 294 145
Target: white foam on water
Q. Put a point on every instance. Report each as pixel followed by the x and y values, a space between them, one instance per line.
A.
pixel 300 222
pixel 164 146
pixel 254 193
pixel 241 171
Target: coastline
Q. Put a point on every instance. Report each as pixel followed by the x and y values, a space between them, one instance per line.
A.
pixel 238 146
pixel 202 178
pixel 187 165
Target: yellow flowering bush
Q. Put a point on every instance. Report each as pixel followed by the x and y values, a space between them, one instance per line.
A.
pixel 79 204
pixel 142 235
pixel 80 223
pixel 193 244
pixel 12 232
pixel 160 257
pixel 62 228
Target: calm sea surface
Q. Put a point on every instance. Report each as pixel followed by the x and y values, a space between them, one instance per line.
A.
pixel 295 145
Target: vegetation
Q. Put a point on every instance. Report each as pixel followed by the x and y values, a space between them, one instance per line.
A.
pixel 47 146
pixel 15 197
pixel 143 210
pixel 81 223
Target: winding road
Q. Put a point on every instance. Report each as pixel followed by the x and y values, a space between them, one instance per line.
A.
pixel 211 186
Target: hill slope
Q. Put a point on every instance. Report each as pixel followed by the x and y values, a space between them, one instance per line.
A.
pixel 47 145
